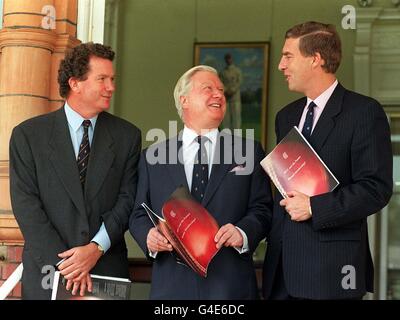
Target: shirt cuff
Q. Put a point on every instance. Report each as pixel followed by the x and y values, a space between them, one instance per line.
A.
pixel 152 254
pixel 102 238
pixel 245 246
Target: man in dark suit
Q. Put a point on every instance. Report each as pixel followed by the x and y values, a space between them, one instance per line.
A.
pixel 318 246
pixel 73 179
pixel 237 194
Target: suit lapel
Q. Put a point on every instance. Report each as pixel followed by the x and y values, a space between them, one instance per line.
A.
pixel 63 159
pixel 326 121
pixel 295 114
pixel 219 168
pixel 101 157
pixel 175 166
pixel 291 118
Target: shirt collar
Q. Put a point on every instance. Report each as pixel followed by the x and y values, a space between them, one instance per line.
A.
pixel 190 135
pixel 323 98
pixel 75 119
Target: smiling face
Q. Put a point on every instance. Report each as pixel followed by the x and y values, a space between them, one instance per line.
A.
pixel 93 95
pixel 296 68
pixel 204 106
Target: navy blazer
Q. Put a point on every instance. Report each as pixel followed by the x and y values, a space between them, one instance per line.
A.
pixel 243 200
pixel 352 137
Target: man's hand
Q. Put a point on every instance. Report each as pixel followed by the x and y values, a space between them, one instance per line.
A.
pixel 79 261
pixel 86 282
pixel 156 242
pixel 229 236
pixel 297 205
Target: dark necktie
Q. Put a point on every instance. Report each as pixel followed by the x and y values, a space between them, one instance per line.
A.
pixel 84 151
pixel 308 123
pixel 200 170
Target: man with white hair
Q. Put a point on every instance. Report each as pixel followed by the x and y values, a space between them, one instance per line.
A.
pixel 240 203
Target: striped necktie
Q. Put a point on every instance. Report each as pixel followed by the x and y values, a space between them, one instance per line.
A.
pixel 84 151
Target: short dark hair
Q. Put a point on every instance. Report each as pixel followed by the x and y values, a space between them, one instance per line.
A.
pixel 76 63
pixel 318 37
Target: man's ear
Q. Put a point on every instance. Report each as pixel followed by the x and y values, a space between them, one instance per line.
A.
pixel 74 84
pixel 184 101
pixel 317 60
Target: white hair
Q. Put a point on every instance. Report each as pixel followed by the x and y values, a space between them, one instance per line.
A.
pixel 184 84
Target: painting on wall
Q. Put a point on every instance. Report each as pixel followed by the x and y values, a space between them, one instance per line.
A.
pixel 243 68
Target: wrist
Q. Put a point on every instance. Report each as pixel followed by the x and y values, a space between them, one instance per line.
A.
pixel 99 248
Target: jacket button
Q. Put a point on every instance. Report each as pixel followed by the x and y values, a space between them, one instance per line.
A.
pixel 84 233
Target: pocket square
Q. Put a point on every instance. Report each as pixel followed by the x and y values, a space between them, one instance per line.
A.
pixel 237 168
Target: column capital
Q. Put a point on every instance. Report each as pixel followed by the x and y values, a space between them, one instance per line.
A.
pixel 65 41
pixel 37 38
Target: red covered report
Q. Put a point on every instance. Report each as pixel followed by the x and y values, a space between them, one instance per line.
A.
pixel 190 229
pixel 294 165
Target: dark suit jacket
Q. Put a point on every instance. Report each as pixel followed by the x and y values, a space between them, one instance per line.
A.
pixel 243 200
pixel 47 198
pixel 352 137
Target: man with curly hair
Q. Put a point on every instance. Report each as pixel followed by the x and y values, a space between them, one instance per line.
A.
pixel 73 175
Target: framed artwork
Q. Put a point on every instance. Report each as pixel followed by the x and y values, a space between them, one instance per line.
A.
pixel 243 68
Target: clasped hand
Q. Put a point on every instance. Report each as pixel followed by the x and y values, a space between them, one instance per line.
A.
pixel 297 205
pixel 77 265
pixel 228 235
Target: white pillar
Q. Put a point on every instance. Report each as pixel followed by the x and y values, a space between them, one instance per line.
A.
pixel 91 20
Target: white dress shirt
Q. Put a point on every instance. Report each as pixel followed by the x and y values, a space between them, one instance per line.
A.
pixel 190 147
pixel 76 131
pixel 320 103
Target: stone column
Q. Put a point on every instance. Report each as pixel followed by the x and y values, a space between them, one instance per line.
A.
pixel 33 40
pixel 362 49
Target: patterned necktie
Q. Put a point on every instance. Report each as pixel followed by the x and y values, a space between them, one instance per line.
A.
pixel 84 151
pixel 200 170
pixel 308 123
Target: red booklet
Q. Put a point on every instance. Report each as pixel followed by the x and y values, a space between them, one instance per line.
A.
pixel 294 165
pixel 190 229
